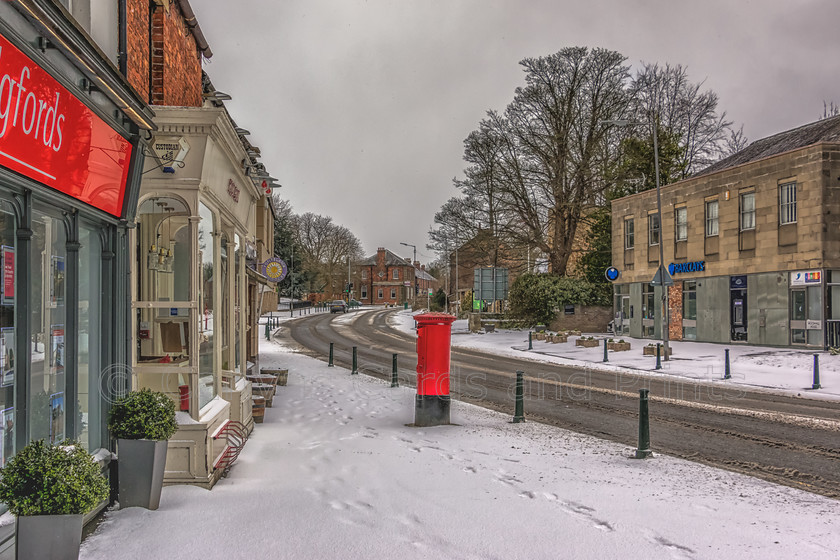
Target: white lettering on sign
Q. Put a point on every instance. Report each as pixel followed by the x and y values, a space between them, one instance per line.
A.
pixel 233 190
pixel 39 118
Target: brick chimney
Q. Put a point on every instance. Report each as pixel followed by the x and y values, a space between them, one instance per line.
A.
pixel 380 258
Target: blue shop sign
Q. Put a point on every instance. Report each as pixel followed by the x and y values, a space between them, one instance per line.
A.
pixel 682 268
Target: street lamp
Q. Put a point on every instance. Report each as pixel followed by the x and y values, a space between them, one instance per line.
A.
pixel 413 260
pixel 661 278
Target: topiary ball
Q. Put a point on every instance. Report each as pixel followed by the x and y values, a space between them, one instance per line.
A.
pixel 143 414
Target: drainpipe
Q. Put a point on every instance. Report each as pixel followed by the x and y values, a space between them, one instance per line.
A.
pixel 123 41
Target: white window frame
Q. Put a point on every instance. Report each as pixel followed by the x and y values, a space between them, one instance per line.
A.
pixel 787 203
pixel 747 218
pixel 712 218
pixel 364 274
pixel 654 231
pixel 396 274
pixel 363 294
pixel 381 294
pixel 681 223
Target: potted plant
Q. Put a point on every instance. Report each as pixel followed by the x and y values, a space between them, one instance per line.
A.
pixel 49 488
pixel 142 422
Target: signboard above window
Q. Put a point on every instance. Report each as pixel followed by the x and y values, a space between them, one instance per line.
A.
pixel 805 278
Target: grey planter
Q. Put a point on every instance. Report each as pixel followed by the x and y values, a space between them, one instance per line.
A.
pixel 48 537
pixel 140 467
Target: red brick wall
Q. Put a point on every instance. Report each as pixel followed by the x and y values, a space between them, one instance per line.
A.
pixel 174 58
pixel 137 45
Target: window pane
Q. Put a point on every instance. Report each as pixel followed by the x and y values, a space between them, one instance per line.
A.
pixel 237 307
pixel 815 303
pixel 787 203
pixel 8 340
pixel 653 229
pixel 797 305
pixel 682 224
pixel 748 211
pixel 711 218
pixel 628 234
pixel 90 296
pixel 206 327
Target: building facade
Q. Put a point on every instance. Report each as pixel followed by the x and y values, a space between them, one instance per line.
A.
pixel 752 244
pixel 72 148
pixel 387 279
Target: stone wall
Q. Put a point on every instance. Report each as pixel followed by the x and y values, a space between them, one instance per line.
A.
pixel 593 319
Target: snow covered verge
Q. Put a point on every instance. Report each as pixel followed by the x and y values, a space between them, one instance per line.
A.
pixel 335 472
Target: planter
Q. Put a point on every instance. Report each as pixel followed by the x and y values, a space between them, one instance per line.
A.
pixel 281 374
pixel 587 343
pixel 618 346
pixel 140 466
pixel 265 390
pixel 651 351
pixel 540 335
pixel 53 537
pixel 258 409
pixel 559 338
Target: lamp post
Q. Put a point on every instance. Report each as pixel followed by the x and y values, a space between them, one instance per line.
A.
pixel 664 279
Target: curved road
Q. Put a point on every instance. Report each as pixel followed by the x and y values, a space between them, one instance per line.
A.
pixel 784 439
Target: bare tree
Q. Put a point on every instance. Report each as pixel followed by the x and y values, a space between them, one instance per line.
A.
pixel 324 248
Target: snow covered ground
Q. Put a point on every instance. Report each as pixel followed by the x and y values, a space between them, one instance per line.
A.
pixel 784 370
pixel 335 472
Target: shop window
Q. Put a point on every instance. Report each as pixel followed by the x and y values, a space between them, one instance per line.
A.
pixel 711 218
pixel 787 203
pixel 207 315
pixel 681 224
pixel 689 310
pixel 629 239
pixel 47 399
pixel 238 255
pixel 747 211
pixel 224 326
pixel 8 340
pixel 648 310
pixel 653 229
pixel 90 327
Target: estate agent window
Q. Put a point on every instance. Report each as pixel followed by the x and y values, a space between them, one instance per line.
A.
pixel 787 203
pixel 628 234
pixel 681 221
pixel 747 211
pixel 653 229
pixel 711 218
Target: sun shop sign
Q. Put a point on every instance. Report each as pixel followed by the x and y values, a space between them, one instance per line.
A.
pixel 51 137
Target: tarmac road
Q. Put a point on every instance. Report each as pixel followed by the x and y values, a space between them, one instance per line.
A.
pixel 784 439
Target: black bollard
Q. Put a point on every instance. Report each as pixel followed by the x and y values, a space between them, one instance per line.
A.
pixel 530 341
pixel 658 356
pixel 727 373
pixel 519 410
pixel 267 331
pixel 355 369
pixel 816 384
pixel 331 356
pixel 606 358
pixel 395 382
pixel 644 426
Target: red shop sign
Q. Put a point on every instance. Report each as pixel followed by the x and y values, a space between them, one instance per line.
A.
pixel 50 136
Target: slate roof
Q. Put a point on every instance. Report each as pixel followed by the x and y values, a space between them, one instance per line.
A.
pixel 391 259
pixel 826 130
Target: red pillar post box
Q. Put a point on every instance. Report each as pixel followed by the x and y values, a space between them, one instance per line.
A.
pixel 431 407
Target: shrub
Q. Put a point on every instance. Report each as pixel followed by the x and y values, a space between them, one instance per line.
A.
pixel 46 479
pixel 143 414
pixel 536 297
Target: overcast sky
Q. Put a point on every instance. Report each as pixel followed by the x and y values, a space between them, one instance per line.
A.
pixel 361 107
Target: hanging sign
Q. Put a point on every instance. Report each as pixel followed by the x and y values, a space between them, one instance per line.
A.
pixel 50 136
pixel 275 269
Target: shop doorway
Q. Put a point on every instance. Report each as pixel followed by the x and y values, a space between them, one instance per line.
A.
pixel 738 308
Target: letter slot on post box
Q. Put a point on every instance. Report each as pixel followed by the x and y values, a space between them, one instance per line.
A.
pixel 431 406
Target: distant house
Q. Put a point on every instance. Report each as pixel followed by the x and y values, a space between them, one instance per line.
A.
pixel 387 279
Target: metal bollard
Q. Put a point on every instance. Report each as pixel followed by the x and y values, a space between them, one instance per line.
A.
pixel 395 382
pixel 658 356
pixel 727 373
pixel 606 358
pixel 816 384
pixel 330 364
pixel 267 331
pixel 355 370
pixel 644 426
pixel 519 410
pixel 530 342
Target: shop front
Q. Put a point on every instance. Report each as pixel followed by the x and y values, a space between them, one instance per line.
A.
pixel 195 220
pixel 69 180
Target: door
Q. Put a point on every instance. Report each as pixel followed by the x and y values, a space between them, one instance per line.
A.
pixel 738 308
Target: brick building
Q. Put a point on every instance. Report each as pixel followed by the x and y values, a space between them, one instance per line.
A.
pixel 387 279
pixel 752 244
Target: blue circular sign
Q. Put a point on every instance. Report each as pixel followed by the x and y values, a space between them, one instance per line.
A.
pixel 612 274
pixel 275 269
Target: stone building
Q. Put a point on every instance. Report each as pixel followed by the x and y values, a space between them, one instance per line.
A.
pixel 752 244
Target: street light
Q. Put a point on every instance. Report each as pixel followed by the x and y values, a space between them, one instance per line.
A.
pixel 413 260
pixel 661 277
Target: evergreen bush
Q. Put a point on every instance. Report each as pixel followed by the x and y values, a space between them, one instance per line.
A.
pixel 143 414
pixel 46 479
pixel 537 297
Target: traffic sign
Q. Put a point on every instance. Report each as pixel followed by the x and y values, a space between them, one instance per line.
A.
pixel 662 277
pixel 612 274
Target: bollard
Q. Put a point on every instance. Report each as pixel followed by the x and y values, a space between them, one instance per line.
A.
pixel 530 341
pixel 519 412
pixel 267 331
pixel 395 382
pixel 816 384
pixel 727 374
pixel 355 369
pixel 658 356
pixel 330 364
pixel 606 358
pixel 644 426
